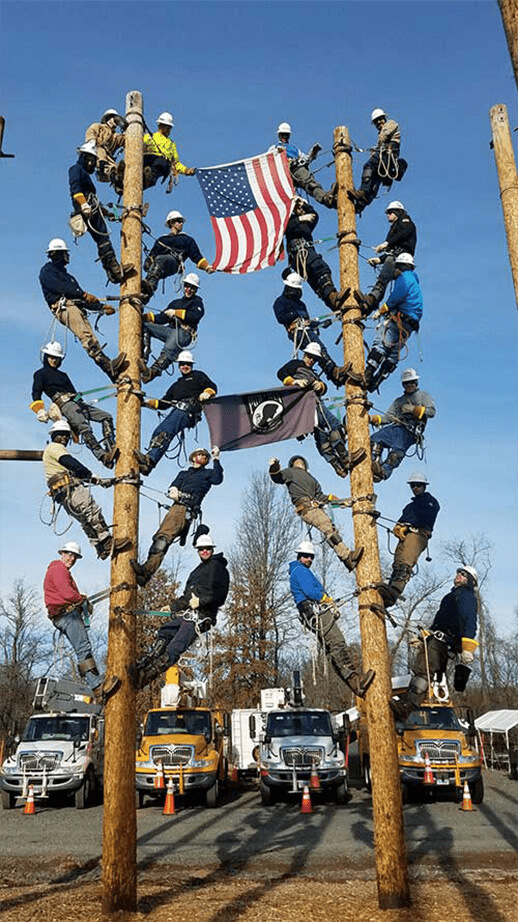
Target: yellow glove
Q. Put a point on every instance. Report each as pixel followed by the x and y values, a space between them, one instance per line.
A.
pixel 149 316
pixel 319 387
pixel 375 420
pixel 326 599
pixel 36 406
pixel 194 601
pixel 190 170
pixel 400 530
pixel 89 298
pixel 419 411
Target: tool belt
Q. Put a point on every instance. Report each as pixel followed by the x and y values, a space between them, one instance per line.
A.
pixel 425 532
pixel 297 324
pixel 305 503
pixel 61 399
pixel 66 609
pixel 191 406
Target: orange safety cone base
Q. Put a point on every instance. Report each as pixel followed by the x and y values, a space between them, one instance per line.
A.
pixel 428 777
pixel 314 780
pixel 169 809
pixel 467 803
pixel 305 806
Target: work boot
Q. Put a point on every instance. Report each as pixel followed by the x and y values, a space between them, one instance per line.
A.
pixel 369 376
pixel 367 303
pixel 120 544
pixel 140 572
pixel 357 195
pixel 329 200
pixel 109 457
pixel 336 298
pixel 356 457
pixel 112 268
pixel 314 152
pixel 360 683
pixel 148 178
pixel 340 374
pixel 378 472
pixel 155 370
pixel 144 461
pixel 106 689
pixel 117 366
pixel 147 290
pixel 353 559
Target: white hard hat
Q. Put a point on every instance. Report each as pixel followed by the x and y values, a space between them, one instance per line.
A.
pixel 404 259
pixel 185 356
pixel 88 148
pixel 470 571
pixel 284 128
pixel 106 116
pixel 293 280
pixel 54 349
pixel 314 349
pixel 394 206
pixel 305 547
pixel 60 426
pixel 409 374
pixel 165 118
pixel 204 541
pixel 174 216
pixel 417 477
pixel 377 113
pixel 57 244
pixel 71 547
pixel 192 279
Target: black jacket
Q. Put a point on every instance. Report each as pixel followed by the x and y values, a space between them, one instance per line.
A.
pixel 187 387
pixel 210 581
pixel 297 229
pixel 51 381
pixel 402 236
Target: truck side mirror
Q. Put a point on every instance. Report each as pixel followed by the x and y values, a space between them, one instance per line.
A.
pixel 226 724
pixel 251 726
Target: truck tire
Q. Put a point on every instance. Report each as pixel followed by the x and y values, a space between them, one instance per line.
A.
pixel 211 796
pixel 476 789
pixel 267 795
pixel 8 800
pixel 342 795
pixel 139 799
pixel 84 795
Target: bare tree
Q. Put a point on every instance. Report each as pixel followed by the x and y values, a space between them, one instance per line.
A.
pixel 24 645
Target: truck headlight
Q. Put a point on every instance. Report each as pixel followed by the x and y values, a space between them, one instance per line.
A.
pixel 202 763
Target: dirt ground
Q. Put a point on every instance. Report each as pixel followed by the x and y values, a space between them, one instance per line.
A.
pixel 64 890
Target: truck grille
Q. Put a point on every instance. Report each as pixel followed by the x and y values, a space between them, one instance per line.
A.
pixel 172 755
pixel 36 761
pixel 295 755
pixel 439 750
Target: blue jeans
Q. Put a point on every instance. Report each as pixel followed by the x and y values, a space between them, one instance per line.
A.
pixel 397 439
pixel 386 342
pixel 180 634
pixel 72 626
pixel 174 337
pixel 174 423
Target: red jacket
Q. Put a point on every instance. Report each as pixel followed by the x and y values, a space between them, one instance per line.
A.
pixel 59 589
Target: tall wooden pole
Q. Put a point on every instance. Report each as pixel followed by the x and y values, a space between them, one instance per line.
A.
pixel 508 182
pixel 120 827
pixel 389 838
pixel 509 11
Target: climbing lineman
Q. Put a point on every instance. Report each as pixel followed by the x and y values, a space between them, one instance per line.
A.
pixel 168 255
pixel 401 238
pixel 160 154
pixel 304 259
pixel 403 425
pixel 383 165
pixel 299 164
pixel 176 327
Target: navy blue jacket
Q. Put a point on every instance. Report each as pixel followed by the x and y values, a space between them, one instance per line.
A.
pixel 304 584
pixel 297 229
pixel 56 282
pixel 457 615
pixel 178 245
pixel 197 481
pixel 288 309
pixel 421 511
pixel 402 235
pixel 50 381
pixel 193 307
pixel 79 180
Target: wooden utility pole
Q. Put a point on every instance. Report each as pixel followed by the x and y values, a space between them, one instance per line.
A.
pixel 508 182
pixel 120 828
pixel 509 11
pixel 389 837
pixel 20 454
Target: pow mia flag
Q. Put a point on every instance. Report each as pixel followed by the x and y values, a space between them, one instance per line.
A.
pixel 272 415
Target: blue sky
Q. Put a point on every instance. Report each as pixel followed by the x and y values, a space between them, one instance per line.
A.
pixel 229 73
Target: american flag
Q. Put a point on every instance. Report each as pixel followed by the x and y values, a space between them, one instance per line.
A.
pixel 249 203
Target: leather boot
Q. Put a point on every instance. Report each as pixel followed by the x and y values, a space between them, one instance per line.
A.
pixel 109 457
pixel 140 572
pixel 367 303
pixel 359 683
pixel 111 367
pixel 378 473
pixel 155 370
pixel 352 561
pixel 111 266
pixel 336 298
pixel 388 594
pixel 144 462
pixel 106 689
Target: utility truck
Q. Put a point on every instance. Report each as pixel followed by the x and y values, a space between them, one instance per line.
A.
pixel 295 741
pixel 434 732
pixel 61 751
pixel 183 741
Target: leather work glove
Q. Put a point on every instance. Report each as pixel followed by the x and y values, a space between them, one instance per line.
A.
pixel 381 310
pixel 108 310
pixel 467 657
pixel 190 171
pixel 194 601
pixel 42 416
pixel 149 316
pixel 273 462
pixel 152 403
pixel 173 493
pixel 400 530
pixel 204 397
pixel 215 452
pixel 326 599
pixel 374 260
pixel 89 298
pixel 319 387
pixel 381 247
pixel 375 420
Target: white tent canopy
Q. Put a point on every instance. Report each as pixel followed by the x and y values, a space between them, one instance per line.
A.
pixel 497 721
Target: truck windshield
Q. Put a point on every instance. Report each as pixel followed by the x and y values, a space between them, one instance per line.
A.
pixel 441 718
pixel 195 723
pixel 56 728
pixel 299 723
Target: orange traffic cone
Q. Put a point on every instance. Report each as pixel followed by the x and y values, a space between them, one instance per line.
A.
pixel 30 809
pixel 169 809
pixel 428 773
pixel 159 780
pixel 467 804
pixel 305 806
pixel 314 780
